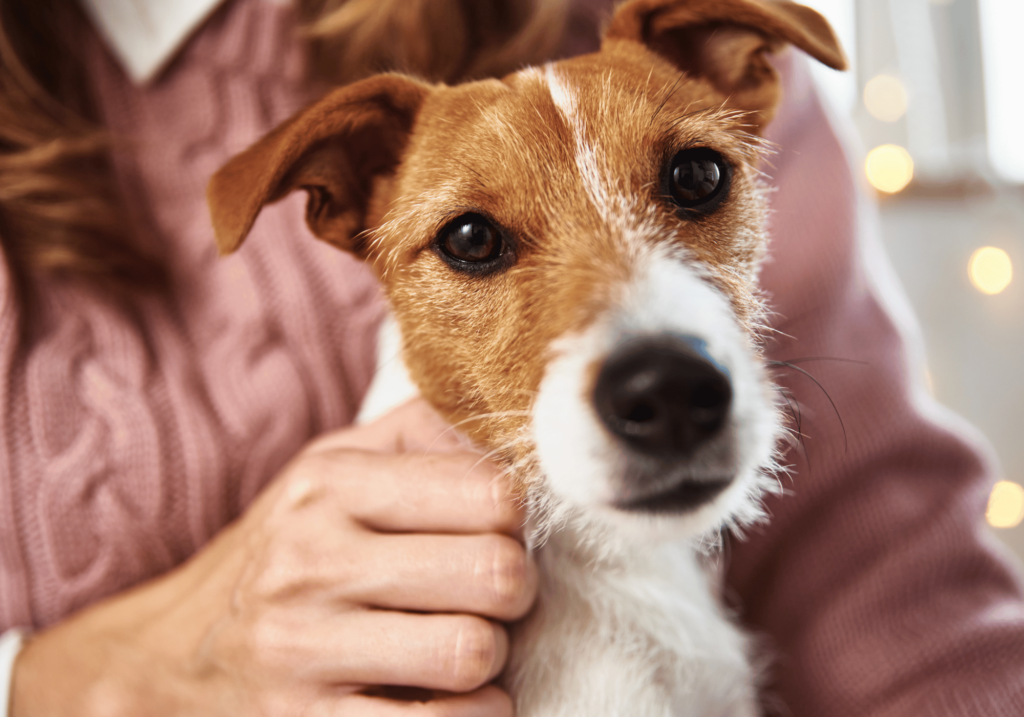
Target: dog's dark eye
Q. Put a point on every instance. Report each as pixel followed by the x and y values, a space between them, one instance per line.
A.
pixel 698 178
pixel 470 239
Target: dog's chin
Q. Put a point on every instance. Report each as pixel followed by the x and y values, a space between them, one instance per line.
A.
pixel 679 513
pixel 684 497
pixel 684 512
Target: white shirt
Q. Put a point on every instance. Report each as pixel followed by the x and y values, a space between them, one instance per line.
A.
pixel 145 35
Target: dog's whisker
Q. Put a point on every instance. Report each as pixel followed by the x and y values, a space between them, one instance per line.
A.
pixel 778 332
pixel 484 417
pixel 478 417
pixel 786 364
pixel 501 449
pixel 826 358
pixel 687 114
pixel 671 92
pixel 794 408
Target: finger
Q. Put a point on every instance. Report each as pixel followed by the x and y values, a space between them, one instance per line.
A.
pixel 412 427
pixel 434 493
pixel 489 575
pixel 453 492
pixel 455 653
pixel 488 701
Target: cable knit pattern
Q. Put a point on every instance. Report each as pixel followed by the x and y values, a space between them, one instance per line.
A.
pixel 132 434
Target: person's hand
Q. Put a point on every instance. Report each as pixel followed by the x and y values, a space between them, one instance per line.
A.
pixel 382 555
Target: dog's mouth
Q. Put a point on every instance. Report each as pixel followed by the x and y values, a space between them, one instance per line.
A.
pixel 683 497
pixel 676 485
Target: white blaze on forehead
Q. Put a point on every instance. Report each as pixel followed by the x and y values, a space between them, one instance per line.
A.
pixel 589 159
pixel 627 215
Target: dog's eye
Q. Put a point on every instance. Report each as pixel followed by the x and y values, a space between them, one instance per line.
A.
pixel 470 239
pixel 698 178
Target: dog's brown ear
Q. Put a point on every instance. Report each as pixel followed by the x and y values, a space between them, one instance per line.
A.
pixel 335 150
pixel 725 42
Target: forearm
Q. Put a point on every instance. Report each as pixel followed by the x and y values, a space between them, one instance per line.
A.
pixel 134 654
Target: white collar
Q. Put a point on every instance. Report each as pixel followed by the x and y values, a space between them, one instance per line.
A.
pixel 145 34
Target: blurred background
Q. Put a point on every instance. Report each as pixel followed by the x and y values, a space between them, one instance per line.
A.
pixel 936 101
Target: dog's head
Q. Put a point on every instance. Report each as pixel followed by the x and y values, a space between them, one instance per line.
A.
pixel 570 252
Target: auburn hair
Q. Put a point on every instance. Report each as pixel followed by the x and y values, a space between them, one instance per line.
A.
pixel 60 211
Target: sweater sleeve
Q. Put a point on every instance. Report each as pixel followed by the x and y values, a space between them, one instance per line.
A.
pixel 13 570
pixel 875 586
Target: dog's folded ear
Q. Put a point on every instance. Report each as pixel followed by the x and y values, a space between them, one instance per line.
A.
pixel 336 150
pixel 726 41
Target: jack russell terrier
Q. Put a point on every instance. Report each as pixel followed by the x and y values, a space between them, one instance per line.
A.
pixel 570 256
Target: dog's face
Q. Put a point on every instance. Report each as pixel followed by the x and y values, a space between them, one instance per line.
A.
pixel 572 265
pixel 570 253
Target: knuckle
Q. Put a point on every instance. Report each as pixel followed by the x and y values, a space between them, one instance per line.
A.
pixel 307 479
pixel 281 570
pixel 265 637
pixel 277 580
pixel 271 643
pixel 321 472
pixel 299 493
pixel 473 655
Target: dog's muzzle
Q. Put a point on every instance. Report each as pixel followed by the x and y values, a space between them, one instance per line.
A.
pixel 667 401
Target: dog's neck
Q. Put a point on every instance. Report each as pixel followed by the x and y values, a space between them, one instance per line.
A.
pixel 640 632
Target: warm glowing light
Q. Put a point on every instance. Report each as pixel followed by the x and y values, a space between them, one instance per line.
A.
pixel 990 270
pixel 1005 505
pixel 889 168
pixel 885 98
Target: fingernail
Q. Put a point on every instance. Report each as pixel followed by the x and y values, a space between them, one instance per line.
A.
pixel 500 487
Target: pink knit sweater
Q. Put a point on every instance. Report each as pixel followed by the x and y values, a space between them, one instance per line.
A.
pixel 131 435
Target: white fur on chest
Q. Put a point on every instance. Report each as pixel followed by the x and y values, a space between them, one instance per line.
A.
pixel 639 634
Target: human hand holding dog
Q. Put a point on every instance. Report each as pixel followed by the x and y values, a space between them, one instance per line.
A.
pixel 382 555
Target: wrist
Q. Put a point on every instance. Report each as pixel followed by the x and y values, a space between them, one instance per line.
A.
pixel 82 667
pixel 50 677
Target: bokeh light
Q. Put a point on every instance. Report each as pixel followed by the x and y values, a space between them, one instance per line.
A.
pixel 1005 505
pixel 990 270
pixel 889 168
pixel 885 98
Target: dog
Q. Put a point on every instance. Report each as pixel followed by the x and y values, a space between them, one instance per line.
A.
pixel 570 257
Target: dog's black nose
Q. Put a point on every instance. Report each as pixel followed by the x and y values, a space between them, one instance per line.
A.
pixel 664 396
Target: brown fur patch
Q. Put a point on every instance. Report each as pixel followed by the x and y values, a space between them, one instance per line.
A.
pixel 569 161
pixel 479 345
